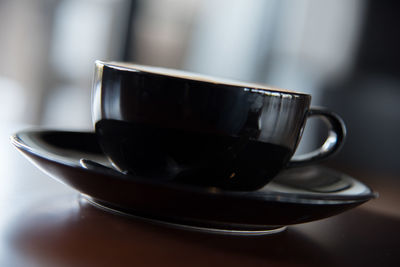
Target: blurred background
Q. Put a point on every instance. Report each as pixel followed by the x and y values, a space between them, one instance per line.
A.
pixel 343 52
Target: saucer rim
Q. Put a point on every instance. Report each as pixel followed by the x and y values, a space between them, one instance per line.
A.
pixel 268 195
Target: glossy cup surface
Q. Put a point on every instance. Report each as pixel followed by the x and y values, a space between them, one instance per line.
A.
pixel 172 125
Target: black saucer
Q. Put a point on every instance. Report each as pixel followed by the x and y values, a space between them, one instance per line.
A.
pixel 295 196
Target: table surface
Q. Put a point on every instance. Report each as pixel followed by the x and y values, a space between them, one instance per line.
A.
pixel 46 223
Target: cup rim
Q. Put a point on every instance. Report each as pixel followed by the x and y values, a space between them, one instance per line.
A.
pixel 197 77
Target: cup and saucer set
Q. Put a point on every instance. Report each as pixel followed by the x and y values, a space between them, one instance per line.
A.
pixel 197 153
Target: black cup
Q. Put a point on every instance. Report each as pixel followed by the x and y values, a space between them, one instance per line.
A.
pixel 171 125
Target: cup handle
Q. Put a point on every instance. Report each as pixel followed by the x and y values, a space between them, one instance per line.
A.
pixel 332 144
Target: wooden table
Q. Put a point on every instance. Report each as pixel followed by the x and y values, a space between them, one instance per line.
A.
pixel 45 223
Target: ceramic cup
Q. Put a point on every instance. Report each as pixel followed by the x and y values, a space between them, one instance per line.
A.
pixel 172 125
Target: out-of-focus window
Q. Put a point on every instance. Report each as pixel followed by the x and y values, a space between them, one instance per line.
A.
pixel 48 47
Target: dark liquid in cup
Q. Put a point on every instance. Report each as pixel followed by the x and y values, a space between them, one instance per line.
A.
pixel 189 157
